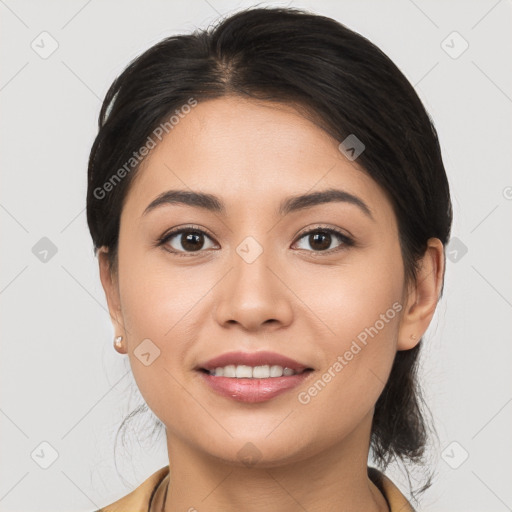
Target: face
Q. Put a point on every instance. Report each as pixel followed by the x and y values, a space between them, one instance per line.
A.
pixel 322 284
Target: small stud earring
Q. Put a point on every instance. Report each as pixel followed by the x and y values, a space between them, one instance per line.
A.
pixel 413 336
pixel 118 342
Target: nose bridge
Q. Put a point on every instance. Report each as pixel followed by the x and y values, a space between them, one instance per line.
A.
pixel 252 276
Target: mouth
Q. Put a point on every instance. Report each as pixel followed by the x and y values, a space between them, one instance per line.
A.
pixel 232 371
pixel 252 377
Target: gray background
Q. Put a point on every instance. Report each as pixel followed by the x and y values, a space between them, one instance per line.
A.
pixel 61 380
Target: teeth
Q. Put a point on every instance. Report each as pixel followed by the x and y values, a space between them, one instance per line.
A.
pixel 242 371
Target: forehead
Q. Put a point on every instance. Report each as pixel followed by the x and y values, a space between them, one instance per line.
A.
pixel 252 154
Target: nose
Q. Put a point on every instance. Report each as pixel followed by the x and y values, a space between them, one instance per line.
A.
pixel 254 293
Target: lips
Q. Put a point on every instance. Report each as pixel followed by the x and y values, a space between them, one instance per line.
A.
pixel 252 359
pixel 253 390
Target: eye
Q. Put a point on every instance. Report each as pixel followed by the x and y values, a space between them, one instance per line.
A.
pixel 185 240
pixel 188 240
pixel 320 239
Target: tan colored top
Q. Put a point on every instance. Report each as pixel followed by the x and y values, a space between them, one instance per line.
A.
pixel 139 499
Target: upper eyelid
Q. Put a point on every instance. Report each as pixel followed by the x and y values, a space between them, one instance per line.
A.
pixel 179 231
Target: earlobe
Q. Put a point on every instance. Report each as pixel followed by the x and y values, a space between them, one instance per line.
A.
pixel 422 297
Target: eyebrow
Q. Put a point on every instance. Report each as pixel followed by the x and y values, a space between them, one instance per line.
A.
pixel 214 204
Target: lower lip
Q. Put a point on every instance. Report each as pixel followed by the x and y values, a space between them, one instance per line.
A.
pixel 253 390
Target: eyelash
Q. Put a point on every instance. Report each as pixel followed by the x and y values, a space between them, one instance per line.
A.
pixel 347 241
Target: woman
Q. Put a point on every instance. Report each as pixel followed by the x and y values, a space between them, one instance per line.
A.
pixel 269 207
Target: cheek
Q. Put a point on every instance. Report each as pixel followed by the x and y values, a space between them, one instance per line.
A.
pixel 155 298
pixel 347 300
pixel 162 306
pixel 357 310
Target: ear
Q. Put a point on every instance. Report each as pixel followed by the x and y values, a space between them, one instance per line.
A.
pixel 110 285
pixel 422 297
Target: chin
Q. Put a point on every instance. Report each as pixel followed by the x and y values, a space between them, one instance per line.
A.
pixel 256 451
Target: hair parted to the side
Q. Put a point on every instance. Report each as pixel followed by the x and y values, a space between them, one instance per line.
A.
pixel 336 77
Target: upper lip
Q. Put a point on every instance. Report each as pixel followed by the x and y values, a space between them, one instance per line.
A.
pixel 252 359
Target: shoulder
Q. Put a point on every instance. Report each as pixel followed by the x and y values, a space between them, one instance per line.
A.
pixel 138 500
pixel 396 500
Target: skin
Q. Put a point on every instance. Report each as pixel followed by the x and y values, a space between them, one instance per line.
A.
pixel 293 299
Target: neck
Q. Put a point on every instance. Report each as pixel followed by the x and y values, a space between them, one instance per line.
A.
pixel 332 479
